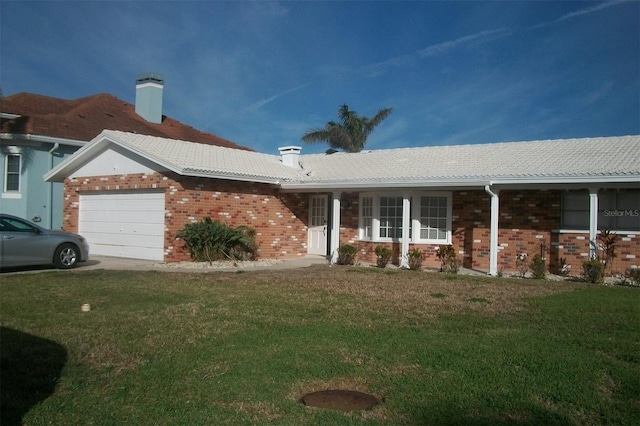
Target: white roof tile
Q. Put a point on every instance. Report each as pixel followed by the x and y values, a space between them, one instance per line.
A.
pixel 191 158
pixel 576 160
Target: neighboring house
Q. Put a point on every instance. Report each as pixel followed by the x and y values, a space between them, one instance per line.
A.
pixel 39 132
pixel 131 194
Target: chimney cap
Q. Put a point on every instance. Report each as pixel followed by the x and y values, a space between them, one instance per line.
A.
pixel 150 77
pixel 289 149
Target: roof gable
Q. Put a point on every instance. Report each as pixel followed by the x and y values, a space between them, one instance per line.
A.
pixel 182 157
pixel 85 118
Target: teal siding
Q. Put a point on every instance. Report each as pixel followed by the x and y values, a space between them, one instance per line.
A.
pixel 40 201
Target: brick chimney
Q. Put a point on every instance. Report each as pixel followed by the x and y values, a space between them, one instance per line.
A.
pixel 290 155
pixel 149 97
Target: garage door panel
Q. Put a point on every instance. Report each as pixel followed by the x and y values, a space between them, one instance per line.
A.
pixel 131 252
pixel 123 228
pixel 124 224
pixel 125 237
pixel 122 205
pixel 111 217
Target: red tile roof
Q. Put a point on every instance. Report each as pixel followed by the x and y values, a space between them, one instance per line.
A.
pixel 85 118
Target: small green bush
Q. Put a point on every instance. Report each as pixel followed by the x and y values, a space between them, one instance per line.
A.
pixel 346 254
pixel 593 271
pixel 383 256
pixel 415 257
pixel 210 240
pixel 539 267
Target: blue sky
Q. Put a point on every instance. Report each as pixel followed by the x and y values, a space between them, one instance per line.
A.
pixel 263 73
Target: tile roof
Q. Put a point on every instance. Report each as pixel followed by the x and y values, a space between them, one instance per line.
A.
pixel 85 118
pixel 188 158
pixel 614 159
pixel 518 161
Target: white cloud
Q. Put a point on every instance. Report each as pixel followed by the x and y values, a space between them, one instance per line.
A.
pixel 580 12
pixel 263 102
pixel 444 47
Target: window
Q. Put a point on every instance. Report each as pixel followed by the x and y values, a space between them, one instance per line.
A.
pixel 618 210
pixel 433 218
pixel 366 213
pixel 12 173
pixel 430 217
pixel 390 217
pixel 575 210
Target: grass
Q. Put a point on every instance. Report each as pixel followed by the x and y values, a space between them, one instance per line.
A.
pixel 224 348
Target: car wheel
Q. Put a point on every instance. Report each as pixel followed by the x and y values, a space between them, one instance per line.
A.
pixel 66 256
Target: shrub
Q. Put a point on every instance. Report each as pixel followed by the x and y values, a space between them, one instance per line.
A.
pixel 607 242
pixel 346 254
pixel 383 256
pixel 539 267
pixel 448 259
pixel 415 257
pixel 593 271
pixel 634 276
pixel 210 240
pixel 630 279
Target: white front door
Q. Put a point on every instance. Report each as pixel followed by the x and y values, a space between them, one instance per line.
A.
pixel 317 234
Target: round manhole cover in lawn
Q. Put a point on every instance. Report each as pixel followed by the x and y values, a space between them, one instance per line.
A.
pixel 341 400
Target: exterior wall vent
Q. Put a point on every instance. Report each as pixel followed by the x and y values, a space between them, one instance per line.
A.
pixel 149 88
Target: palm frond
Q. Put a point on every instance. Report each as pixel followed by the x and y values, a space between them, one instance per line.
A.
pixel 350 134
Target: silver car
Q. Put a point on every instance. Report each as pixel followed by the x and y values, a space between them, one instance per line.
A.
pixel 23 243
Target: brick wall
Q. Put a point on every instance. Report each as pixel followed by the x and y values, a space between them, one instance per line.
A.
pixel 529 223
pixel 528 220
pixel 573 248
pixel 279 219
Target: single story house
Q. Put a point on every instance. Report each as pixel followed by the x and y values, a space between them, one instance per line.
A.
pixel 130 194
pixel 38 132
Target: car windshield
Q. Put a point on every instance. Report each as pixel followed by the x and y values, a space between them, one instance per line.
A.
pixel 12 225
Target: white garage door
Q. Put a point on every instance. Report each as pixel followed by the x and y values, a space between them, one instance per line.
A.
pixel 123 224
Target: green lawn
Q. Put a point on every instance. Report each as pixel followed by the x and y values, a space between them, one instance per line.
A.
pixel 242 348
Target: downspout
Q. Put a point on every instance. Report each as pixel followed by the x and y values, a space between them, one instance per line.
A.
pixel 51 152
pixel 406 224
pixel 593 223
pixel 493 239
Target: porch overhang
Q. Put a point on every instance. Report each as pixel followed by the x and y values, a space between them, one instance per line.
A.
pixel 554 182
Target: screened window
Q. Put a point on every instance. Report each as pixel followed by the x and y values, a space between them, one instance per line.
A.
pixel 12 175
pixel 617 210
pixel 575 210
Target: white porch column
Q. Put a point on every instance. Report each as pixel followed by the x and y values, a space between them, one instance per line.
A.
pixel 593 223
pixel 493 239
pixel 406 224
pixel 335 226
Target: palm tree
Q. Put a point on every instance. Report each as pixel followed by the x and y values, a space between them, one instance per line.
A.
pixel 350 134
